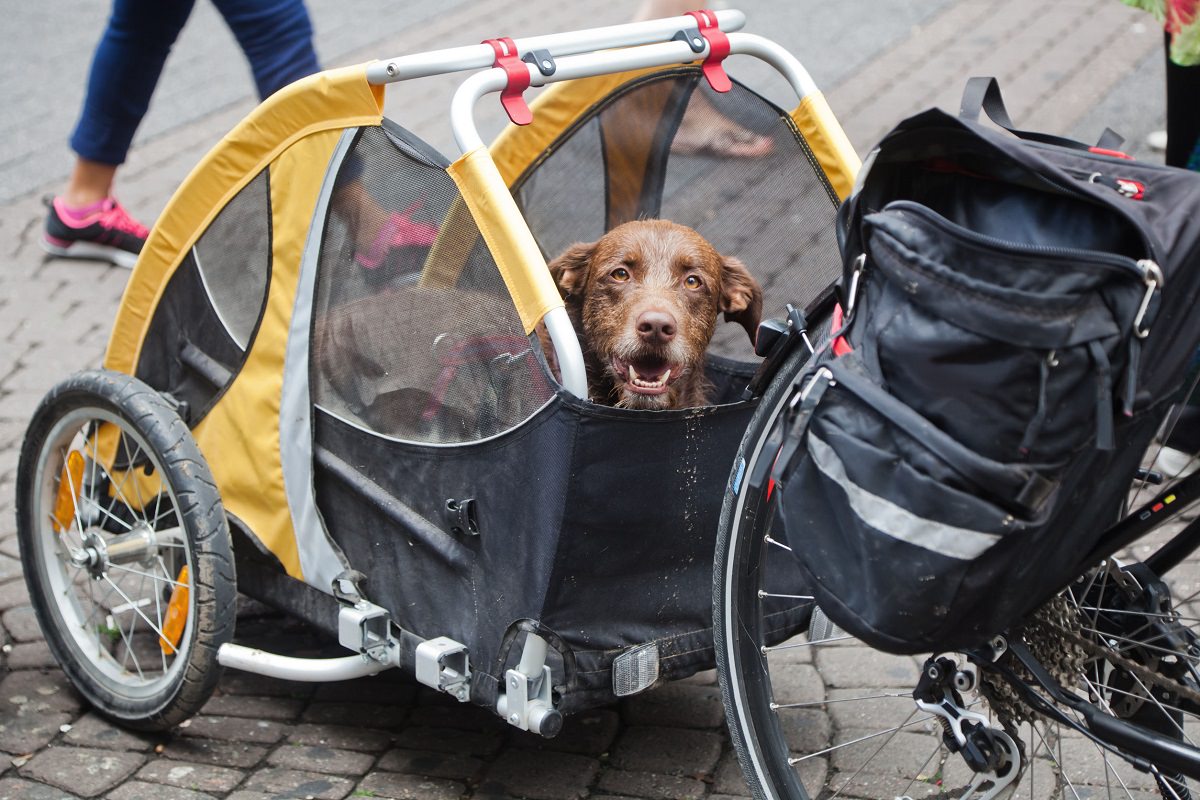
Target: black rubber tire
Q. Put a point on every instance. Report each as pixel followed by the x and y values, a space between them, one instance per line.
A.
pixel 758 740
pixel 172 451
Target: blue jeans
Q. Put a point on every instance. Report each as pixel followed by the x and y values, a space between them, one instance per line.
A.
pixel 275 35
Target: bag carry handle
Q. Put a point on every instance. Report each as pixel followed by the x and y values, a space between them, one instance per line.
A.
pixel 983 94
pixel 1019 487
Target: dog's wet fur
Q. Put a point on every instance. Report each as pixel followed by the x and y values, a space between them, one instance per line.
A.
pixel 644 299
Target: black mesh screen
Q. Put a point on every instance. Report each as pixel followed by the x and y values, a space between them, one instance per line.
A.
pixel 661 147
pixel 232 258
pixel 205 320
pixel 414 333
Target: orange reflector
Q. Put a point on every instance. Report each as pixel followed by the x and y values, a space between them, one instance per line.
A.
pixel 69 485
pixel 176 615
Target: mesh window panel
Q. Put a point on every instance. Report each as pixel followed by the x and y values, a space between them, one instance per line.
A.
pixel 660 147
pixel 415 336
pixel 206 317
pixel 233 257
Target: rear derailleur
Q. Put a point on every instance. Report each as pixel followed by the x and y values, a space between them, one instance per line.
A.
pixel 990 752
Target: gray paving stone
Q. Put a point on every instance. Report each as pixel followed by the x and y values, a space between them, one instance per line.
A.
pixel 233 682
pixel 375 690
pixel 340 736
pixel 408 787
pixel 434 765
pixel 676 705
pixel 85 771
pixel 649 785
pixel 30 655
pixel 240 795
pixel 234 729
pixel 21 623
pixel 667 751
pixel 450 740
pixel 276 708
pixel 319 758
pixel 210 751
pixel 352 714
pixel 441 714
pixel 540 775
pixel 137 790
pixel 93 730
pixel 10 568
pixel 728 777
pixel 17 789
pixel 32 691
pixel 12 594
pixel 296 784
pixel 21 734
pixel 197 777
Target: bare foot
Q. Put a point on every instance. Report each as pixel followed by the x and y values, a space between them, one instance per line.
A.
pixel 704 131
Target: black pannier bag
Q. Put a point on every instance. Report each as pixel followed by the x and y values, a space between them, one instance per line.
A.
pixel 1018 319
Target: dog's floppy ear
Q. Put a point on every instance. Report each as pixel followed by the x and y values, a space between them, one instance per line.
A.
pixel 569 270
pixel 741 296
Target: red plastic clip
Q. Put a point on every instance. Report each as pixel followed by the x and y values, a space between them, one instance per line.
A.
pixel 718 49
pixel 1104 151
pixel 512 97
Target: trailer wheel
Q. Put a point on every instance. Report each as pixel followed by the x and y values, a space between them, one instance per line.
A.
pixel 125 548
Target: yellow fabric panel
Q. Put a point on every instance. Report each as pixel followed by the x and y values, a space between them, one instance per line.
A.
pixel 828 142
pixel 334 99
pixel 517 254
pixel 449 253
pixel 554 110
pixel 240 435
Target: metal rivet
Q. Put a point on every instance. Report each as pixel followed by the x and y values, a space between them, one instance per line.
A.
pixel 698 42
pixel 547 64
pixel 391 69
pixel 514 719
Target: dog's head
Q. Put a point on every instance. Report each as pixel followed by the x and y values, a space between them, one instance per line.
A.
pixel 647 295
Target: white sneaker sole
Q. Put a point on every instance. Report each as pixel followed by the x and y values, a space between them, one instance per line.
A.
pixel 90 251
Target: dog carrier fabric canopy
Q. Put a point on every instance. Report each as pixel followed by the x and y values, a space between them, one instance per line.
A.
pixel 346 322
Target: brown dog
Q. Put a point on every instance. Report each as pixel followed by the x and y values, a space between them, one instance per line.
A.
pixel 644 300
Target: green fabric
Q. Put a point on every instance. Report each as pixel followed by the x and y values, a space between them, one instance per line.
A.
pixel 1182 19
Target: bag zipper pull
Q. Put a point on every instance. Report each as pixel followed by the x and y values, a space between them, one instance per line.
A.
pixel 1152 275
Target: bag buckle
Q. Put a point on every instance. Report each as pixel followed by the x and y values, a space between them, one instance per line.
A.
pixel 1152 275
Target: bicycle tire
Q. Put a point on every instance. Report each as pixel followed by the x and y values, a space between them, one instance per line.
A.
pixel 139 505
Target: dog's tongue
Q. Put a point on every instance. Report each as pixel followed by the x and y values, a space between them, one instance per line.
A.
pixel 649 369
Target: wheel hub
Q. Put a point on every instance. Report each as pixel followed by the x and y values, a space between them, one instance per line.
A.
pixel 98 552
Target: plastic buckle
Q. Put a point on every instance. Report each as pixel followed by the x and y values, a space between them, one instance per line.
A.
pixel 718 49
pixel 512 96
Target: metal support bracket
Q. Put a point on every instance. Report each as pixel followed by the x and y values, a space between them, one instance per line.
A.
pixel 366 628
pixel 444 664
pixel 528 702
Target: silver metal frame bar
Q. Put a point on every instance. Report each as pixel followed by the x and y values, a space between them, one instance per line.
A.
pixel 480 56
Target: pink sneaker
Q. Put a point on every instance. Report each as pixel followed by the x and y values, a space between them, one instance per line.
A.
pixel 101 232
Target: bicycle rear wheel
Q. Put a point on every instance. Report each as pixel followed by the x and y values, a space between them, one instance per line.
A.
pixel 824 715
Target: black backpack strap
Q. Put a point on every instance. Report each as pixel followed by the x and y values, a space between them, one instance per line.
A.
pixel 983 94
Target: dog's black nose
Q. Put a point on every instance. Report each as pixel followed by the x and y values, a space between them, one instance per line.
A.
pixel 656 327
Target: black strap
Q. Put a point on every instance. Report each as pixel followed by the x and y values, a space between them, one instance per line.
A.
pixel 1019 486
pixel 983 94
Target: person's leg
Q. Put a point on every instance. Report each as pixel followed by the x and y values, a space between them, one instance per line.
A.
pixel 276 36
pixel 1183 115
pixel 84 220
pixel 124 72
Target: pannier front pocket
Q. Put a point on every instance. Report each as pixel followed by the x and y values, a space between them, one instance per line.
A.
pixel 1017 351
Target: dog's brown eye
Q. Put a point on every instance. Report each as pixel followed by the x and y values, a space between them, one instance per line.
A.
pixel 693 282
pixel 620 274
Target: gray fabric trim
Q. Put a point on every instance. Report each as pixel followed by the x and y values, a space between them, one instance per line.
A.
pixel 888 518
pixel 320 559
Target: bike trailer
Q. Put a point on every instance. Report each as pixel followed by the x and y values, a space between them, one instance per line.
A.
pixel 1020 314
pixel 394 457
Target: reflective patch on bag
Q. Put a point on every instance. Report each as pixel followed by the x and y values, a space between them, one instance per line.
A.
pixel 888 518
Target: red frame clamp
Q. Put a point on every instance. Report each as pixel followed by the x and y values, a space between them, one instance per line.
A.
pixel 512 96
pixel 718 49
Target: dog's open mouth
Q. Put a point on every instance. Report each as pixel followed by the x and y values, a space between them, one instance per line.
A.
pixel 646 374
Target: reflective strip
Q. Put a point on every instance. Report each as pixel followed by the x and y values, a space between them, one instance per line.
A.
pixel 888 518
pixel 320 559
pixel 828 142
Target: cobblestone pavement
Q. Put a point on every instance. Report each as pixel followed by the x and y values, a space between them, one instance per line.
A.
pixel 1072 66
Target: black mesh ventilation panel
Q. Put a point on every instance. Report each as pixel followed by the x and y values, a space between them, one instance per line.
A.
pixel 203 325
pixel 414 335
pixel 664 146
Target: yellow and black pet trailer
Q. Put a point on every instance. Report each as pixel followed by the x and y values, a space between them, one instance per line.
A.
pixel 325 388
